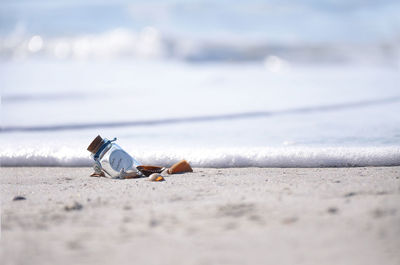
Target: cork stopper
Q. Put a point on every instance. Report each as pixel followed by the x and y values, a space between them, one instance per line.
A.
pixel 95 145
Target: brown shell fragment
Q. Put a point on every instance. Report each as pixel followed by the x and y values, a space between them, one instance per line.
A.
pixel 148 170
pixel 180 167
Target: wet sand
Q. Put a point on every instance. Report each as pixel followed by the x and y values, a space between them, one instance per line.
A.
pixel 211 216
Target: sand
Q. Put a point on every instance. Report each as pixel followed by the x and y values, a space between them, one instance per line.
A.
pixel 211 216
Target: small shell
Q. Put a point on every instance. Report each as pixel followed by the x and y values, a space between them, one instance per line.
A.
pixel 156 177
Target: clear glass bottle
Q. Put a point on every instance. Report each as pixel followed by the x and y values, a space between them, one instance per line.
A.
pixel 111 157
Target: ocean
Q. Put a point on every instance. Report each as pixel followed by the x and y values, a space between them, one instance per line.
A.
pixel 255 83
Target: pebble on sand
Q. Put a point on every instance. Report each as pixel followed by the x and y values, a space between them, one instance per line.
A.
pixel 73 207
pixel 19 198
pixel 333 210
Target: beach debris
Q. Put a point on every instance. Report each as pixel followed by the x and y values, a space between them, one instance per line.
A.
pixel 76 206
pixel 19 198
pixel 180 167
pixel 156 177
pixel 110 158
pixel 148 170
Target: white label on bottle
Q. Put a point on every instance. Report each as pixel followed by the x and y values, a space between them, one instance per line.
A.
pixel 120 160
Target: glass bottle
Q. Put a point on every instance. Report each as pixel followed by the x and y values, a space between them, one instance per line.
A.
pixel 111 157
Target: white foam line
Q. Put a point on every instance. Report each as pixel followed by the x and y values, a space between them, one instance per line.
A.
pixel 219 157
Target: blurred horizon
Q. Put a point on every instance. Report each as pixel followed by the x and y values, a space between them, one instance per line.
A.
pixel 202 31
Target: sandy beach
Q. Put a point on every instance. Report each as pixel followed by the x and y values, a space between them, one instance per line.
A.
pixel 211 216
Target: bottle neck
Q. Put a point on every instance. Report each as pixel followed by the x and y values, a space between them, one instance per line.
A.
pixel 103 147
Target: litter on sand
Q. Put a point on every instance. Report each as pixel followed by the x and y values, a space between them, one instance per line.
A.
pixel 110 160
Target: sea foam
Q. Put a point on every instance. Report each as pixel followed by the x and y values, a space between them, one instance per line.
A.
pixel 219 157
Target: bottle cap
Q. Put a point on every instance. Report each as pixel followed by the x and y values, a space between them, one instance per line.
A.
pixel 95 145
